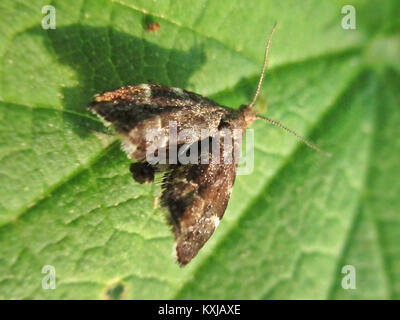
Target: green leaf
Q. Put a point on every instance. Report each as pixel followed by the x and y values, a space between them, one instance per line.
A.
pixel 66 195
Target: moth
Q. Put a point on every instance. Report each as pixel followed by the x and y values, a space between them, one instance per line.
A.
pixel 195 194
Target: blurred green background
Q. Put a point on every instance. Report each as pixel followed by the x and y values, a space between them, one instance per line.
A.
pixel 66 195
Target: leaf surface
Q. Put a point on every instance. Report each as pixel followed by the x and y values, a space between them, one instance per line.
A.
pixel 66 195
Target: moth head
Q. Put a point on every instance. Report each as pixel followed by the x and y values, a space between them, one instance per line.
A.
pixel 248 114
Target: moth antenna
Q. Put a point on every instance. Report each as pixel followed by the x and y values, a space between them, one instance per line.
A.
pixel 302 139
pixel 253 101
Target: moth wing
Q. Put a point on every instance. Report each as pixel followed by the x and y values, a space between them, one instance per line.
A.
pixel 196 196
pixel 143 116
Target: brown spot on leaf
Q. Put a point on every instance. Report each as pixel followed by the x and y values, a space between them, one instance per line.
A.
pixel 116 291
pixel 153 27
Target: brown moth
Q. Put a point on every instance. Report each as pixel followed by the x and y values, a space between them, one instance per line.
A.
pixel 195 194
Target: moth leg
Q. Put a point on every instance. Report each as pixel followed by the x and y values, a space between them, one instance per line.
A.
pixel 142 172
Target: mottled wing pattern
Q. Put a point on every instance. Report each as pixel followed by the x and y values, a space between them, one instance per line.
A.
pixel 133 110
pixel 196 196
